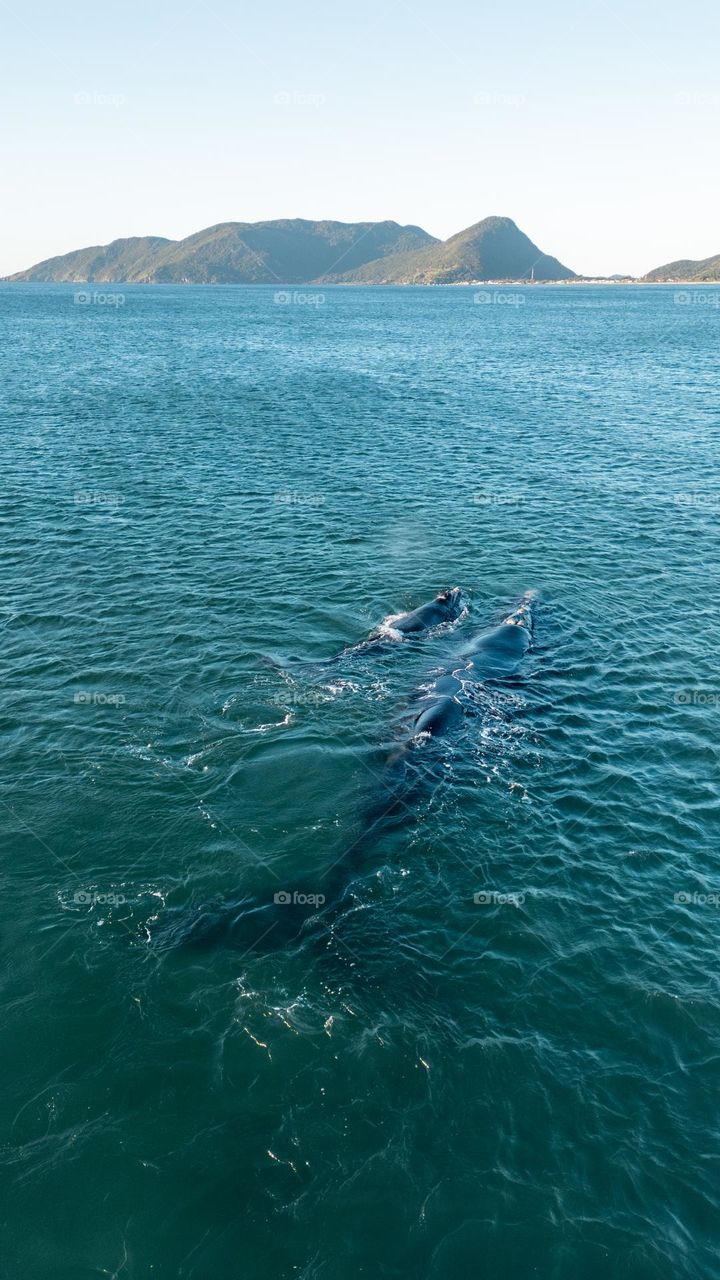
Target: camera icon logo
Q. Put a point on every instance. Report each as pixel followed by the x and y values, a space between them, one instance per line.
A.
pixel 282 897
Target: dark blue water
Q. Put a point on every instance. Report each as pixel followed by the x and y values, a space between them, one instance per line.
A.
pixel 200 483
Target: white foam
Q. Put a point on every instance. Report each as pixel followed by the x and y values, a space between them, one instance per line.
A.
pixel 274 724
pixel 387 630
pixel 341 686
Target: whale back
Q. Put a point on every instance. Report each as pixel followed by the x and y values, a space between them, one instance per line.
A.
pixel 446 607
pixel 500 650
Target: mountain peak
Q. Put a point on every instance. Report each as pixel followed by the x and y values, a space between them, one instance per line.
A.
pixel 493 249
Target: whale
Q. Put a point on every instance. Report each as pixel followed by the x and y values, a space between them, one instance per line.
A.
pixel 447 606
pixel 494 655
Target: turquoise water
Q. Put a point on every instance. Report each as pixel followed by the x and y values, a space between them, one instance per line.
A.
pixel 200 483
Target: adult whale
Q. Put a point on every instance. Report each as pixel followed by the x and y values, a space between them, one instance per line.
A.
pixel 494 655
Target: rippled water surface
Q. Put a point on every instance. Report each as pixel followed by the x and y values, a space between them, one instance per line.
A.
pixel 206 493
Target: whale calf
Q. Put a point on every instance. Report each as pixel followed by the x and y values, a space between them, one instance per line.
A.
pixel 446 607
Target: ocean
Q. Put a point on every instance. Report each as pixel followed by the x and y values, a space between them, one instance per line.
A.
pixel 501 1057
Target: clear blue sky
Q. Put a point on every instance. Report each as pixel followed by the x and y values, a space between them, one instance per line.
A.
pixel 594 126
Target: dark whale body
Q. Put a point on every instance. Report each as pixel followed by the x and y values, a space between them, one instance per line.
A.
pixel 493 655
pixel 446 607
